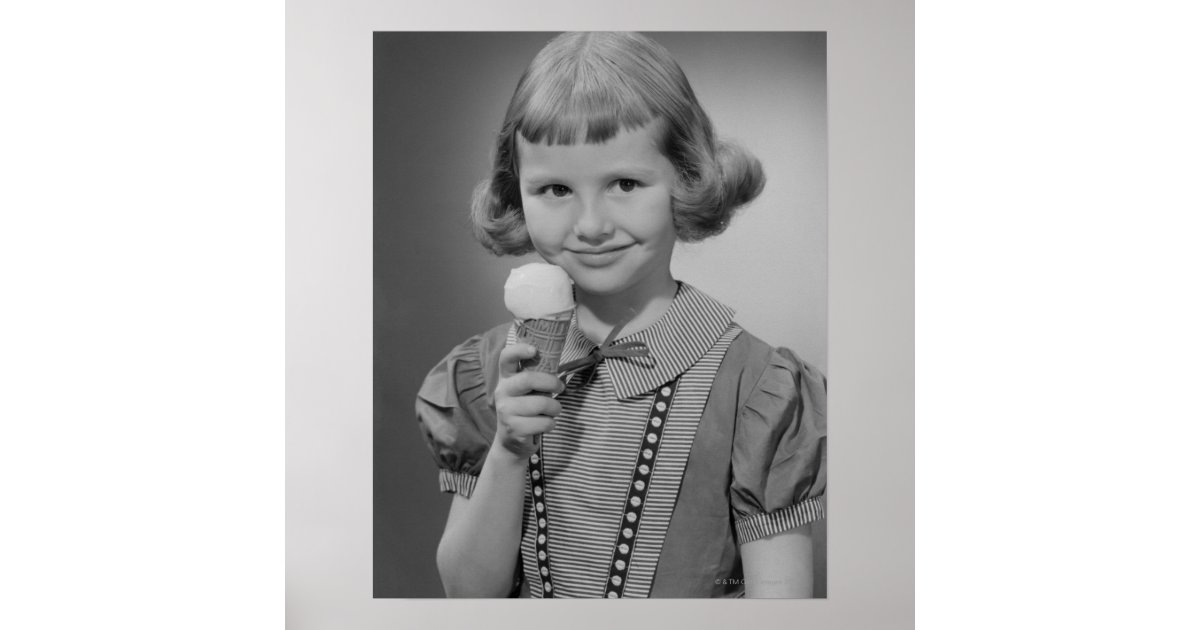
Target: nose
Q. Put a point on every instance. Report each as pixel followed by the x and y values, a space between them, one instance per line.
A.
pixel 592 222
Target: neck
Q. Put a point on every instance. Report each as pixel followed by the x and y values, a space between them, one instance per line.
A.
pixel 635 309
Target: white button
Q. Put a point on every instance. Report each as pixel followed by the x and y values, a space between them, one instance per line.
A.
pixel 661 406
pixel 542 522
pixel 628 533
pixel 542 538
pixel 634 501
pixel 666 390
pixel 652 438
pixel 612 594
pixel 656 421
pixel 536 475
pixel 534 458
pixel 644 469
pixel 640 485
pixel 547 587
pixel 648 453
pixel 616 580
pixel 541 507
pixel 620 564
pixel 631 517
pixel 538 491
pixel 541 555
pixel 545 571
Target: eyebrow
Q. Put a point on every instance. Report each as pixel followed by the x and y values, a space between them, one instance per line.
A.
pixel 631 172
pixel 536 182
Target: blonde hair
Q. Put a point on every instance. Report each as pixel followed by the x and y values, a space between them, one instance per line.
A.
pixel 590 86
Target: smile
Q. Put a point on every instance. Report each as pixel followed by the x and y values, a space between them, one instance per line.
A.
pixel 599 257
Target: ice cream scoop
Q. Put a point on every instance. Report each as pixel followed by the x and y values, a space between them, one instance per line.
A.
pixel 538 291
pixel 540 297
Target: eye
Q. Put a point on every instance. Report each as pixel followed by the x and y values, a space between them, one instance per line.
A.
pixel 556 190
pixel 628 185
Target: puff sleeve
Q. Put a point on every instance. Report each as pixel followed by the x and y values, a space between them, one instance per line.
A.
pixel 455 410
pixel 778 458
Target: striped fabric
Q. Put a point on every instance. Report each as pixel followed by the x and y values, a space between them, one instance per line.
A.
pixel 677 340
pixel 588 460
pixel 690 400
pixel 587 464
pixel 652 441
pixel 771 523
pixel 459 482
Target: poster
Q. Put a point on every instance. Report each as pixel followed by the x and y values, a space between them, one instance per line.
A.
pixel 333 468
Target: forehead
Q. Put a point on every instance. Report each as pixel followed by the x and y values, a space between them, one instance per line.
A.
pixel 637 148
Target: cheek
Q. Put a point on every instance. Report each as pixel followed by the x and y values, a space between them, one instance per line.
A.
pixel 544 230
pixel 656 220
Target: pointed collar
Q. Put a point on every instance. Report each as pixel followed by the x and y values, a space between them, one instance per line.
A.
pixel 691 325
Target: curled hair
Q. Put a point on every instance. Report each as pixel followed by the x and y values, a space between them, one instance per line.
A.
pixel 591 86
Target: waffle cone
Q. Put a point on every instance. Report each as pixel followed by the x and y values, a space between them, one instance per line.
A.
pixel 548 336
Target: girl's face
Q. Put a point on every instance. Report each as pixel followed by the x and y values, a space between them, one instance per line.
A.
pixel 602 212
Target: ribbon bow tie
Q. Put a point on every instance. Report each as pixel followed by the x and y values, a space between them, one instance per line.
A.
pixel 606 350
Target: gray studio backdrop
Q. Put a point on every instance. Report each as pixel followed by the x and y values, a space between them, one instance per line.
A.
pixel 439 99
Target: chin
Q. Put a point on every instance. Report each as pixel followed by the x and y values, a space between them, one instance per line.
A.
pixel 596 288
pixel 591 284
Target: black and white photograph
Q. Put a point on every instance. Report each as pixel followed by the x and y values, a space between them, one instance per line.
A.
pixel 382 314
pixel 600 315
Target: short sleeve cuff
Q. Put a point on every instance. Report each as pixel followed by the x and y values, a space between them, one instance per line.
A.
pixel 458 482
pixel 770 523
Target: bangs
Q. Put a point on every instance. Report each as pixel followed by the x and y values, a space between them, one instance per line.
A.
pixel 566 114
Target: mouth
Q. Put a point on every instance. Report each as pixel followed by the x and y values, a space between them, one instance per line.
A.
pixel 599 256
pixel 600 250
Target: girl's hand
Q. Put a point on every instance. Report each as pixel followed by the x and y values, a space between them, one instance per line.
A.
pixel 524 408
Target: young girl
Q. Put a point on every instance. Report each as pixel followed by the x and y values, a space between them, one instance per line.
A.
pixel 695 471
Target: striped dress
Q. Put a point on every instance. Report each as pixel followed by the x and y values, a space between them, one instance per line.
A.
pixel 603 488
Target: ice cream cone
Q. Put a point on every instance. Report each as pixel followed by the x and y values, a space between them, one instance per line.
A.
pixel 548 335
pixel 539 295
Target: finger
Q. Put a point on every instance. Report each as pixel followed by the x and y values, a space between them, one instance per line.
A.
pixel 517 406
pixel 545 383
pixel 523 383
pixel 529 426
pixel 511 357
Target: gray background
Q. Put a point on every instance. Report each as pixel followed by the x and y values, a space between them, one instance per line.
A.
pixel 438 102
pixel 329 311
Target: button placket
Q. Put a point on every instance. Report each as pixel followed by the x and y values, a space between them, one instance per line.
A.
pixel 635 498
pixel 538 481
